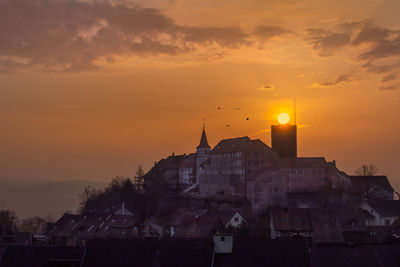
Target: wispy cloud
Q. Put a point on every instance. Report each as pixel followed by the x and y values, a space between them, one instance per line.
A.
pixel 343 78
pixel 267 87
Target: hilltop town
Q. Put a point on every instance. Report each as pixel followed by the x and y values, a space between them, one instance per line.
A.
pixel 239 203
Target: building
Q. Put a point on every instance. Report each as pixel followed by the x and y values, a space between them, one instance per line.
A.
pixel 371 188
pixel 293 175
pixel 385 212
pixel 230 164
pixel 181 171
pixel 73 230
pixel 284 140
pixel 288 222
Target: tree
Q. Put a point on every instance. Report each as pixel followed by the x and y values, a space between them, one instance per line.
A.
pixel 366 170
pixel 36 225
pixel 138 179
pixel 87 195
pixel 8 219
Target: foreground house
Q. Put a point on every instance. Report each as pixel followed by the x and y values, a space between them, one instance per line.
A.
pixel 290 223
pixel 371 188
pixel 72 229
pixel 384 212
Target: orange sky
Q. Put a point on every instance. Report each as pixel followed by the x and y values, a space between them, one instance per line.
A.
pixel 91 89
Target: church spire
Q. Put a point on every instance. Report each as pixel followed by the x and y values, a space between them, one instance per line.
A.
pixel 203 140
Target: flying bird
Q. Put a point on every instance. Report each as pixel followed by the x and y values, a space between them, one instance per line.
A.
pixel 238 108
pixel 228 125
pixel 219 108
pixel 247 118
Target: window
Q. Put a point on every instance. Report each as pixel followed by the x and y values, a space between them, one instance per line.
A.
pixel 387 222
pixel 222 238
pixel 236 219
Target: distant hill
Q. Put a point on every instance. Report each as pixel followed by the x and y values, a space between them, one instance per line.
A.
pixel 42 198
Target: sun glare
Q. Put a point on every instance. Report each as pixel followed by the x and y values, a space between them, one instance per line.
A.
pixel 283 118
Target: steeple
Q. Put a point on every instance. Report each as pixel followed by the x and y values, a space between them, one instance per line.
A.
pixel 203 140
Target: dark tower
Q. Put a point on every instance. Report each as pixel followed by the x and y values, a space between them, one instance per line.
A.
pixel 201 153
pixel 284 140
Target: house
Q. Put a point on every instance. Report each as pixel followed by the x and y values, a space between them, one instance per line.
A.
pixel 152 229
pixel 385 212
pixel 181 171
pixel 371 188
pixel 287 222
pixel 72 229
pixel 198 227
pixel 229 218
pixel 223 242
pixel 338 226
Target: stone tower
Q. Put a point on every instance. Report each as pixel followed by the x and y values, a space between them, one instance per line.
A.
pixel 202 153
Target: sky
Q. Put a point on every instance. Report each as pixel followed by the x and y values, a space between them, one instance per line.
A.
pixel 92 89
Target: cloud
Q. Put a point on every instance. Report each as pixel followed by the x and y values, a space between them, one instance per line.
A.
pixel 379 69
pixel 74 35
pixel 389 88
pixel 265 32
pixel 224 36
pixel 389 78
pixel 326 42
pixel 343 78
pixel 267 87
pixel 371 34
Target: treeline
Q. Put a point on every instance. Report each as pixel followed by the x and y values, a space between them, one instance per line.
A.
pixel 10 223
pixel 145 195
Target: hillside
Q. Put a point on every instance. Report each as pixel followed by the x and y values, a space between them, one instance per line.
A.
pixel 30 198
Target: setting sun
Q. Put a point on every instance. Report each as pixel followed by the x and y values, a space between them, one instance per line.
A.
pixel 283 118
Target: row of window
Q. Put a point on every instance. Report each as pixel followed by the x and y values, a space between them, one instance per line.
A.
pixel 296 180
pixel 304 171
pixel 235 163
pixel 225 155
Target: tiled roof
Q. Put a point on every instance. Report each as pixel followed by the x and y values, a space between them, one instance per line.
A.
pixel 309 162
pixel 330 224
pixel 203 140
pixel 199 227
pixel 242 144
pixel 386 207
pixel 365 182
pixel 291 219
pixel 94 225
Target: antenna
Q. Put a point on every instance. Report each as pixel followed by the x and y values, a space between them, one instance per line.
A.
pixel 294 110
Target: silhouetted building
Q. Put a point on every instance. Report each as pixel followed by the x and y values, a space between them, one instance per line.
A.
pixel 284 140
pixel 371 188
pixel 203 149
pixel 230 163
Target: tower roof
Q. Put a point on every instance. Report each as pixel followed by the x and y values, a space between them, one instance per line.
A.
pixel 203 140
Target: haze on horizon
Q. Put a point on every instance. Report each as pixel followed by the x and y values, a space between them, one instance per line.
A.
pixel 91 89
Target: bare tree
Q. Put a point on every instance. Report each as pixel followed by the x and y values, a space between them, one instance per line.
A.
pixel 138 179
pixel 88 194
pixel 36 225
pixel 366 170
pixel 8 219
